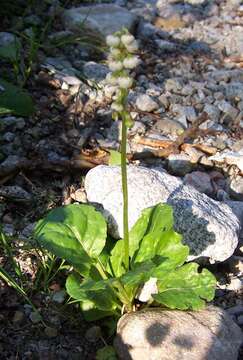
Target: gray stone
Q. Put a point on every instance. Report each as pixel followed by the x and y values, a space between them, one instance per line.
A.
pixel 180 164
pixel 145 103
pixel 103 19
pixel 6 38
pixel 212 111
pixel 94 71
pixel 174 85
pixel 234 90
pixel 165 45
pixel 15 193
pixel 236 188
pixel 209 227
pixel 12 122
pixel 187 111
pixel 201 181
pixel 155 334
pixel 168 126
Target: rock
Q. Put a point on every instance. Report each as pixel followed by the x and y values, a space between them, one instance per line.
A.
pixel 51 332
pixel 35 317
pixel 229 158
pixel 145 103
pixel 201 181
pixel 208 227
pixel 155 334
pixel 212 111
pixel 237 208
pixel 235 310
pixel 8 230
pixel 18 317
pixel 103 19
pixel 236 188
pixel 59 296
pixel 167 126
pixel 187 111
pixel 94 71
pixel 180 164
pixel 234 90
pixel 240 320
pixel 12 122
pixel 235 284
pixel 79 196
pixel 165 45
pixel 93 334
pixel 7 38
pixel 174 85
pixel 15 193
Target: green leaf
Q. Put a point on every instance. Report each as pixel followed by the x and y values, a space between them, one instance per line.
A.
pixel 154 219
pixel 139 275
pixel 163 245
pixel 10 51
pixel 14 100
pixel 106 353
pixel 88 290
pixel 161 218
pixel 115 157
pixel 116 263
pixel 185 288
pixel 91 313
pixel 139 230
pixel 76 233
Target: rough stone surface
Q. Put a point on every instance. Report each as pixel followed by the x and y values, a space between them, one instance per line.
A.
pixel 94 71
pixel 178 335
pixel 146 103
pixel 180 164
pixel 103 18
pixel 209 228
pixel 201 181
pixel 236 188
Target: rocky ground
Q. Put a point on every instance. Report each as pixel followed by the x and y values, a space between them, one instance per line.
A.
pixel 188 111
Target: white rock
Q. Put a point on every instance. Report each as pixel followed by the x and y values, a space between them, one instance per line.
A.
pixel 145 103
pixel 230 158
pixel 209 228
pixel 156 334
pixel 104 18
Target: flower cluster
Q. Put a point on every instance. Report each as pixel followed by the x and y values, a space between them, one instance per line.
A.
pixel 121 61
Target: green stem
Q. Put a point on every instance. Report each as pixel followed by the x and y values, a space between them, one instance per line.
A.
pixel 125 191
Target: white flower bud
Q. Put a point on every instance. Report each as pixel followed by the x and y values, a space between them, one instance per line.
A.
pixel 133 47
pixel 124 82
pixel 115 65
pixel 110 79
pixel 112 40
pixel 116 107
pixel 115 52
pixel 131 62
pixel 127 39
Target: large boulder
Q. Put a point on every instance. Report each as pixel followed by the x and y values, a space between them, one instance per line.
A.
pixel 103 19
pixel 209 228
pixel 156 334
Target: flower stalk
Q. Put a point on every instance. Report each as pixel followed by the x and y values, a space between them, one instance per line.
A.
pixel 121 61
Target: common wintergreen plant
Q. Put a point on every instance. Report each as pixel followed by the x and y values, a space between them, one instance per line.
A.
pixel 109 276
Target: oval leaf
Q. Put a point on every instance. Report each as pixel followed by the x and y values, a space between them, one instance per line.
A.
pixel 185 288
pixel 76 233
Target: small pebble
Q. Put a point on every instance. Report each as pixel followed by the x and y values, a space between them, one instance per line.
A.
pixel 93 334
pixel 51 332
